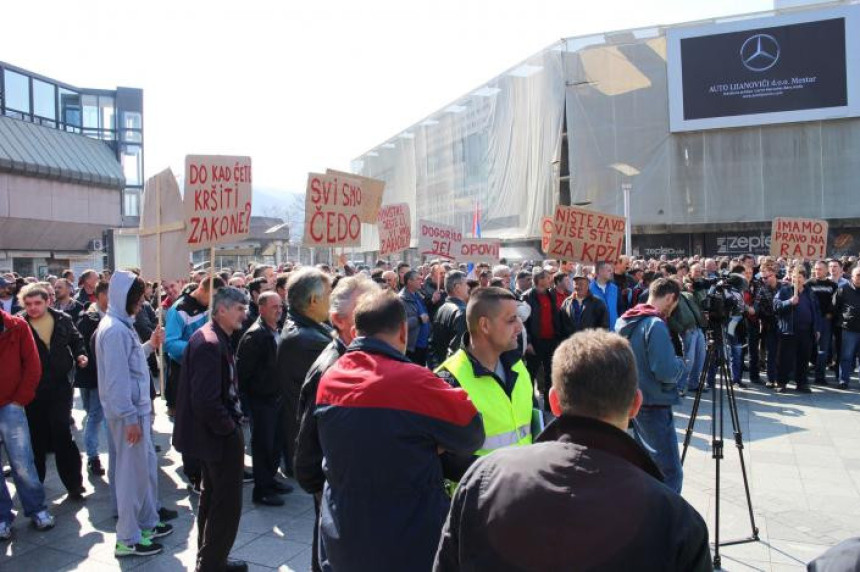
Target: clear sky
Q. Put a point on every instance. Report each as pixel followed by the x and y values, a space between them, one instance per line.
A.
pixel 301 86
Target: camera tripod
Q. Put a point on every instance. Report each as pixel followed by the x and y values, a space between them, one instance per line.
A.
pixel 723 387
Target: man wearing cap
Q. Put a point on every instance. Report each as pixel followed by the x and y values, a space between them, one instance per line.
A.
pixel 582 310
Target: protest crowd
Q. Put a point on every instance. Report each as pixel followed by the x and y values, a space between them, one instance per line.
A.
pixel 431 411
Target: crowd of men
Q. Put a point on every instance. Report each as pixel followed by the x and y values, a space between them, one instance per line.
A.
pixel 382 391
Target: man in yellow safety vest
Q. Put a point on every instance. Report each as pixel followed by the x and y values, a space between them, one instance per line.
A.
pixel 491 370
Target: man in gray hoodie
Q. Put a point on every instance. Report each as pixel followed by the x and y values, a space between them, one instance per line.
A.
pixel 124 393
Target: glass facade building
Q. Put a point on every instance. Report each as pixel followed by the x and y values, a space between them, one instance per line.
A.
pixel 587 115
pixel 112 116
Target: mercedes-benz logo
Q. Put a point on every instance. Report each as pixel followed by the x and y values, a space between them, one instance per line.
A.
pixel 760 52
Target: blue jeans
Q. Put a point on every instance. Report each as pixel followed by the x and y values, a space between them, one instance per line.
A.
pixel 850 352
pixel 656 427
pixel 94 422
pixel 736 352
pixel 695 350
pixel 15 433
pixel 823 349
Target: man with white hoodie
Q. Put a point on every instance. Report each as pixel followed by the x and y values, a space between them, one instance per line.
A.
pixel 124 393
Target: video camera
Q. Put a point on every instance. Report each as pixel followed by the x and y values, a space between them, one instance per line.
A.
pixel 724 300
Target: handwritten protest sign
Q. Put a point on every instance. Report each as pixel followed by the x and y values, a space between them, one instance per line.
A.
pixel 372 191
pixel 438 240
pixel 217 199
pixel 395 228
pixel 546 233
pixel 332 204
pixel 581 235
pixel 799 238
pixel 480 250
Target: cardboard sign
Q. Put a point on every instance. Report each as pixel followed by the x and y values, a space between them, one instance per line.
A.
pixel 395 228
pixel 546 233
pixel 372 191
pixel 581 235
pixel 332 204
pixel 799 238
pixel 217 199
pixel 438 240
pixel 163 247
pixel 480 250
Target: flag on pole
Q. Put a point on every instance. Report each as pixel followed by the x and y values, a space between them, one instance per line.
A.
pixel 476 233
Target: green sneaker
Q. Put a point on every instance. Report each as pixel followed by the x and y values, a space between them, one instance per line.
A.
pixel 145 547
pixel 161 529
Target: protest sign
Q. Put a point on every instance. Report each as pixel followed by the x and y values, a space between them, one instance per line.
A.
pixel 799 238
pixel 581 235
pixel 477 250
pixel 546 233
pixel 332 204
pixel 217 199
pixel 438 240
pixel 395 228
pixel 372 191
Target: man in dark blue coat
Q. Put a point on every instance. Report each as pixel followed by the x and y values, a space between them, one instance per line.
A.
pixel 799 322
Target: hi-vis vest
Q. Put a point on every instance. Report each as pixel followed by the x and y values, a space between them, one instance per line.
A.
pixel 507 421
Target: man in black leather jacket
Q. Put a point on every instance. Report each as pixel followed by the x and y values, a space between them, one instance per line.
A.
pixel 304 337
pixel 449 324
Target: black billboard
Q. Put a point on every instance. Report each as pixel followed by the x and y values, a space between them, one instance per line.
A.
pixel 777 69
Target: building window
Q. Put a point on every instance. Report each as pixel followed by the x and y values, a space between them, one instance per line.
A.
pixel 44 103
pixel 131 202
pixel 132 122
pixel 106 112
pixel 70 110
pixel 91 112
pixel 132 165
pixel 17 94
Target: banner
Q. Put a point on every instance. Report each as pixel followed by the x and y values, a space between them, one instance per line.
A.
pixel 438 240
pixel 162 230
pixel 332 204
pixel 581 235
pixel 372 191
pixel 217 199
pixel 395 228
pixel 799 238
pixel 546 233
pixel 480 250
pixel 777 69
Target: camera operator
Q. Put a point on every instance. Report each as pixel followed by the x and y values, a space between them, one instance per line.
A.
pixel 764 309
pixel 799 321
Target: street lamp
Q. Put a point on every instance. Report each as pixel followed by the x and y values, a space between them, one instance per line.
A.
pixel 627 171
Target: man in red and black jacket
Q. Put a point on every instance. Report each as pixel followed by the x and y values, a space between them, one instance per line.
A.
pixel 544 331
pixel 383 422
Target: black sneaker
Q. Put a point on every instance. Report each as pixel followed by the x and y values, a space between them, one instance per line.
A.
pixel 165 514
pixel 94 465
pixel 782 389
pixel 269 500
pixel 77 494
pixel 158 531
pixel 145 547
pixel 804 389
pixel 282 488
pixel 843 385
pixel 247 476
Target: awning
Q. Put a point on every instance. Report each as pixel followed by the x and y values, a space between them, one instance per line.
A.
pixel 38 151
pixel 35 235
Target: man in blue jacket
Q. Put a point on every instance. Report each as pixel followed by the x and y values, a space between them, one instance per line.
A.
pixel 604 289
pixel 799 323
pixel 659 372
